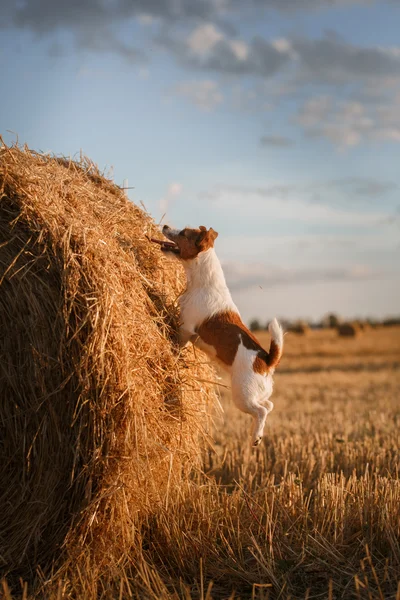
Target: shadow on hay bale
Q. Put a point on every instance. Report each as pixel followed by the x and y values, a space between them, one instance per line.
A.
pixel 99 412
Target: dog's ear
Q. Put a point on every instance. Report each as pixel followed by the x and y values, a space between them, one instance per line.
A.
pixel 213 234
pixel 205 239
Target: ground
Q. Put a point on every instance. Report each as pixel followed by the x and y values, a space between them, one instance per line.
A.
pixel 314 512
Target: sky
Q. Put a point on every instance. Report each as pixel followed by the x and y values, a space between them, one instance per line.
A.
pixel 276 122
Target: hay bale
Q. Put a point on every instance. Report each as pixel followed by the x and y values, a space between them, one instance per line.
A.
pixel 300 327
pixel 361 325
pixel 99 410
pixel 349 329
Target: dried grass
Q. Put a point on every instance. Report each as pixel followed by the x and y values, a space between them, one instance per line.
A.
pixel 100 413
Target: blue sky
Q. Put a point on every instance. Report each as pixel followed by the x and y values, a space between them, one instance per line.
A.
pixel 276 122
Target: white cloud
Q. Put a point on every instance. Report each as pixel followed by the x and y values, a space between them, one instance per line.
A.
pixel 242 276
pixel 240 49
pixel 146 19
pixel 203 39
pixel 318 250
pixel 144 73
pixel 205 94
pixel 207 48
pixel 174 190
pixel 276 141
pixel 350 122
pixel 281 204
pixel 249 100
pixel 284 46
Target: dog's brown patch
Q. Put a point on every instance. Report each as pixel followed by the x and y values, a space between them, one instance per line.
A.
pixel 275 353
pixel 260 366
pixel 225 330
pixel 191 242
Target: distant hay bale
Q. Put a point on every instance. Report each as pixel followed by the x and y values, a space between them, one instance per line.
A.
pixel 300 327
pixel 348 329
pixel 362 325
pixel 100 412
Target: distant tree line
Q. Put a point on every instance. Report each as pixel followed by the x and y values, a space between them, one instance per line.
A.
pixel 330 321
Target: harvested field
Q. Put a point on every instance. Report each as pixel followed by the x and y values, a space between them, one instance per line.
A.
pixel 314 512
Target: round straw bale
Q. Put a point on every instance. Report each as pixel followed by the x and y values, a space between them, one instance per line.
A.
pixel 362 325
pixel 301 327
pixel 348 329
pixel 100 412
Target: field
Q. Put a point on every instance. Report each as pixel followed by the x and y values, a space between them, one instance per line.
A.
pixel 312 513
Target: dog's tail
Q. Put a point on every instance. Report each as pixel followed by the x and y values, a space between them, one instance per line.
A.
pixel 276 347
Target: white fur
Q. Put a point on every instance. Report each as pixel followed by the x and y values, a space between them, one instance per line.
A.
pixel 206 292
pixel 275 331
pixel 251 391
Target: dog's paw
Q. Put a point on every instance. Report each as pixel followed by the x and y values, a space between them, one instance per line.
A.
pixel 257 441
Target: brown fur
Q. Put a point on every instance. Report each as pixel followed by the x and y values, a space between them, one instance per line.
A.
pixel 224 331
pixel 191 242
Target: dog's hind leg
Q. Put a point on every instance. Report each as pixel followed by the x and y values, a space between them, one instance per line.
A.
pixel 250 405
pixel 258 424
pixel 267 403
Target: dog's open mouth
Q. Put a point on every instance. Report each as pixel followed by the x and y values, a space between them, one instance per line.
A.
pixel 166 246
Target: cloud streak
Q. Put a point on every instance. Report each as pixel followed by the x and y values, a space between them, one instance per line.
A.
pixel 345 203
pixel 277 141
pixel 44 15
pixel 207 48
pixel 242 276
pixel 347 123
pixel 205 94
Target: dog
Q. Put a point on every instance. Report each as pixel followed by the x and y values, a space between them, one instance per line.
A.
pixel 211 321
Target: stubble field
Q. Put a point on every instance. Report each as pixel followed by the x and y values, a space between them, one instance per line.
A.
pixel 314 512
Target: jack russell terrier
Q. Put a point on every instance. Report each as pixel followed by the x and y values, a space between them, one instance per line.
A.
pixel 211 321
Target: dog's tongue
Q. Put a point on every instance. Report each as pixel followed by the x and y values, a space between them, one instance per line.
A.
pixel 163 243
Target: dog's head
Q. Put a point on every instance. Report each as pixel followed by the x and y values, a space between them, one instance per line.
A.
pixel 188 243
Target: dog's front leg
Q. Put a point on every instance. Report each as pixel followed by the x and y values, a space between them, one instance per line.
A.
pixel 185 336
